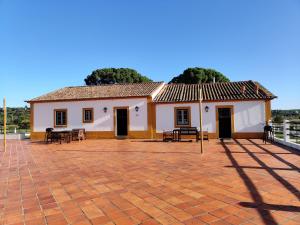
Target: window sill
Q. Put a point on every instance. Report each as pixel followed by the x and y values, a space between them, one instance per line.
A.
pixel 178 126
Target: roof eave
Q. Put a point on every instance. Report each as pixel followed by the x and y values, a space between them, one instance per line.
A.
pixel 85 99
pixel 216 100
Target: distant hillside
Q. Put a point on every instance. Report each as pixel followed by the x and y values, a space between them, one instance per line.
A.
pixel 279 115
pixel 18 117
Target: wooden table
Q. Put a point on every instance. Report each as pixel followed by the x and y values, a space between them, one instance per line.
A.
pixel 168 136
pixel 66 134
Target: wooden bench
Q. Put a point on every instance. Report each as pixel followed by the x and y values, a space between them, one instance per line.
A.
pixel 168 136
pixel 189 131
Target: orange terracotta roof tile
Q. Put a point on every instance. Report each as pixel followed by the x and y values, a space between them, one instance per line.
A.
pixel 213 92
pixel 100 91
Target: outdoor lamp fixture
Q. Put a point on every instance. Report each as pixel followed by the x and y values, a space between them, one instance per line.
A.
pixel 206 108
pixel 137 108
pixel 105 109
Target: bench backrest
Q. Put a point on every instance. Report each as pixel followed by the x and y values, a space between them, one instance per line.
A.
pixel 188 130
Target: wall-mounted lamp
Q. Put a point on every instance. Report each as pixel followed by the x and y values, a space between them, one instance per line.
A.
pixel 105 109
pixel 137 108
pixel 206 108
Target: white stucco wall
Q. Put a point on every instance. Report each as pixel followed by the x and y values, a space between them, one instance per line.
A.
pixel 44 114
pixel 249 116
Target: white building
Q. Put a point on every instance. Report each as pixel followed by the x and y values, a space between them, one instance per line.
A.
pixel 145 110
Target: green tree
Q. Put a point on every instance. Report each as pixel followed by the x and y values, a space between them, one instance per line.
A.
pixel 24 124
pixel 18 117
pixel 115 75
pixel 199 75
pixel 278 119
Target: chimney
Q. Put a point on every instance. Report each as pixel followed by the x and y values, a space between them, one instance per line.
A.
pixel 243 89
pixel 214 80
pixel 256 89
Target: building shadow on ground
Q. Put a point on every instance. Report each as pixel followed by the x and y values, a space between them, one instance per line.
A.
pixel 264 209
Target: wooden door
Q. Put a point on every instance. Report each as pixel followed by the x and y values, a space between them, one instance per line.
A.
pixel 122 122
pixel 224 117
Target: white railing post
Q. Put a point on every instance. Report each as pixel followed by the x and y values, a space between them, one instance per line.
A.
pixel 286 130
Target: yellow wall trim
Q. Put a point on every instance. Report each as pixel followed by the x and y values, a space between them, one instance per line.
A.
pixel 111 135
pixel 246 135
pixel 147 135
pixel 37 135
pixel 115 118
pixel 31 116
pixel 210 136
pixel 100 135
pixel 188 108
pixel 139 134
pixel 237 135
pixel 151 117
pixel 268 111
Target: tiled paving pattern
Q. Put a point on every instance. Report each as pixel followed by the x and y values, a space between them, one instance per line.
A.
pixel 133 182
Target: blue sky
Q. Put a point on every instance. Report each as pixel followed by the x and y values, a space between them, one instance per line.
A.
pixel 45 45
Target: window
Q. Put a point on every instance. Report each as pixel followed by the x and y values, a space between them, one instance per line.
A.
pixel 87 115
pixel 182 116
pixel 60 118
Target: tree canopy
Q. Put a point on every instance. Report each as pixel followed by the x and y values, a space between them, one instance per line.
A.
pixel 199 75
pixel 18 117
pixel 115 75
pixel 288 114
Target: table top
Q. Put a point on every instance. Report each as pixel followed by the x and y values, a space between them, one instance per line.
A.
pixel 61 131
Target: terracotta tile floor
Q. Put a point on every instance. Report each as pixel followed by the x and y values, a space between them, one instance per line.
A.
pixel 134 182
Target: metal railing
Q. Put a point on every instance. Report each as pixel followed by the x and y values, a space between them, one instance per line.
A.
pixel 278 129
pixel 288 131
pixel 14 130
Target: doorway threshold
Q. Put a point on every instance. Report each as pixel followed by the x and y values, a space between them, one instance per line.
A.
pixel 121 137
pixel 226 140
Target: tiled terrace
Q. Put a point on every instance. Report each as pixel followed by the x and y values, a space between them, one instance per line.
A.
pixel 134 182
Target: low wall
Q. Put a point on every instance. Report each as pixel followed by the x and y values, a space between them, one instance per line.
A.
pixel 289 144
pixel 15 136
